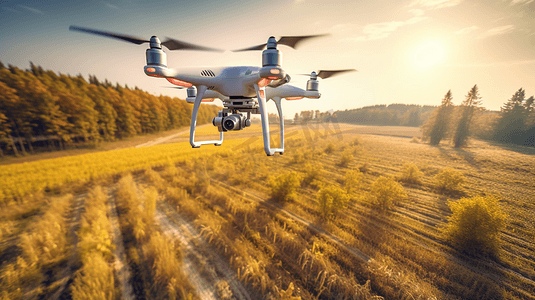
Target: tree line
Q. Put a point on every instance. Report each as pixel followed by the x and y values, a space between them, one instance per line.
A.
pixel 514 123
pixel 387 115
pixel 40 108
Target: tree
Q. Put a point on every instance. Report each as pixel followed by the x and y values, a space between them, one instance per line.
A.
pixel 413 119
pixel 436 127
pixel 468 107
pixel 512 123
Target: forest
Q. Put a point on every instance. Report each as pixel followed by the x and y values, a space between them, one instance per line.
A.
pixel 513 124
pixel 387 115
pixel 40 109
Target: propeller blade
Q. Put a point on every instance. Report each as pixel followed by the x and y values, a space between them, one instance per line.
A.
pixel 324 74
pixel 126 38
pixel 293 41
pixel 253 48
pixel 290 41
pixel 173 44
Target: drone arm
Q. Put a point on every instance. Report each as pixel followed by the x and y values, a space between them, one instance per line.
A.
pixel 200 93
pixel 290 92
pixel 260 93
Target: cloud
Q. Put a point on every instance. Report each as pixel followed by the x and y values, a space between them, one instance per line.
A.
pixel 34 10
pixel 415 20
pixel 111 6
pixel 376 31
pixel 498 31
pixel 436 3
pixel 417 11
pixel 467 30
pixel 521 2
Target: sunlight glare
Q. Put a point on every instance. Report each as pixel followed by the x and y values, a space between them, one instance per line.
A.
pixel 428 54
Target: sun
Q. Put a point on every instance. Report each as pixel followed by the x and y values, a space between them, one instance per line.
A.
pixel 428 54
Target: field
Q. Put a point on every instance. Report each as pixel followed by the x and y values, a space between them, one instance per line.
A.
pixel 209 223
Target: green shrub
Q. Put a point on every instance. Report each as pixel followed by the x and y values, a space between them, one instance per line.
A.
pixel 410 173
pixel 352 180
pixel 449 180
pixel 330 200
pixel 284 187
pixel 475 225
pixel 386 193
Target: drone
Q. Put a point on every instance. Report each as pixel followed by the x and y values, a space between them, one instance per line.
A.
pixel 244 90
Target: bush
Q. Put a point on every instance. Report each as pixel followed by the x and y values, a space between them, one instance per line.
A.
pixel 312 175
pixel 410 173
pixel 330 148
pixel 352 181
pixel 449 180
pixel 475 225
pixel 330 200
pixel 386 193
pixel 284 187
pixel 345 159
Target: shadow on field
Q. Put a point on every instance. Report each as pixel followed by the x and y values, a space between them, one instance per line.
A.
pixel 456 153
pixel 470 278
pixel 372 230
pixel 513 147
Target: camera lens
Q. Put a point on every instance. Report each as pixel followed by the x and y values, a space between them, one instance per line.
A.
pixel 229 124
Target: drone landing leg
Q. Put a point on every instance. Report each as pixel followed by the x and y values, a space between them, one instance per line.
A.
pixel 200 93
pixel 277 101
pixel 261 95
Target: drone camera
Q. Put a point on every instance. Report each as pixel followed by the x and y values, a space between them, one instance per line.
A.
pixel 225 122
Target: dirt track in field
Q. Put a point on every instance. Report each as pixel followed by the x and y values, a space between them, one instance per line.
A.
pixel 201 264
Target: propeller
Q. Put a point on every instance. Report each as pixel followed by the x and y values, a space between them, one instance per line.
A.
pixel 290 41
pixel 324 74
pixel 171 44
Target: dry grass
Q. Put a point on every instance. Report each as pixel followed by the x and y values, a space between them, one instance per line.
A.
pixel 277 256
pixel 95 280
pixel 43 246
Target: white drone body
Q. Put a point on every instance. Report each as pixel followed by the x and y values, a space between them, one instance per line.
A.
pixel 243 90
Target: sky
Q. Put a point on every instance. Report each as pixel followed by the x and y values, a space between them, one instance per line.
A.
pixel 407 51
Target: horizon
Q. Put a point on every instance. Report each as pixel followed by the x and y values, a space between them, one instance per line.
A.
pixel 409 52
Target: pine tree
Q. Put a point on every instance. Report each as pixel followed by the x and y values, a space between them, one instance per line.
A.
pixel 437 125
pixel 468 107
pixel 512 126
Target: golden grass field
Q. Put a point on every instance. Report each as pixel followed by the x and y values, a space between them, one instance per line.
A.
pixel 280 249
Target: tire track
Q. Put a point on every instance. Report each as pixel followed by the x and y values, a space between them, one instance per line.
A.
pixel 122 269
pixel 201 263
pixel 65 276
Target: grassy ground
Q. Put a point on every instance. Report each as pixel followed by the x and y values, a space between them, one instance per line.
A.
pixel 227 196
